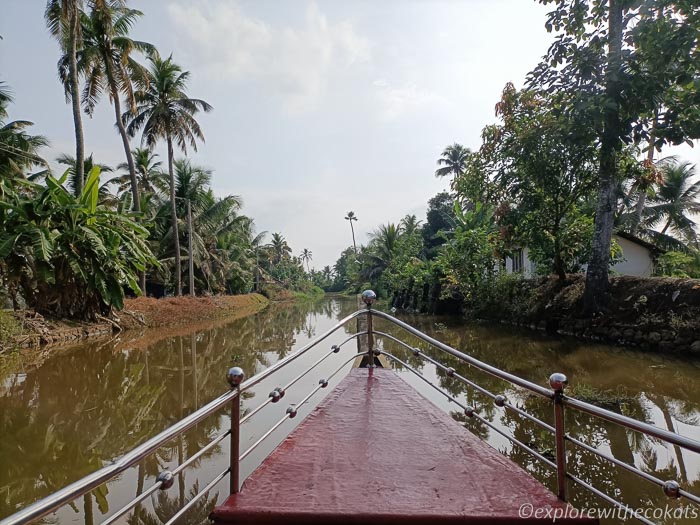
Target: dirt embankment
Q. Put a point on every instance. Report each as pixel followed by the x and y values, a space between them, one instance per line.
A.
pixel 32 330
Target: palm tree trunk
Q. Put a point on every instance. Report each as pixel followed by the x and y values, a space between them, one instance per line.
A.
pixel 87 509
pixel 75 99
pixel 136 205
pixel 597 291
pixel 353 238
pixel 173 218
pixel 670 220
pixel 127 151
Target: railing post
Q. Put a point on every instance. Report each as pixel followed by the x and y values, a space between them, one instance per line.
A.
pixel 558 382
pixel 235 377
pixel 368 297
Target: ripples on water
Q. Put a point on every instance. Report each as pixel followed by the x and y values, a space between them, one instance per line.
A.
pixel 84 406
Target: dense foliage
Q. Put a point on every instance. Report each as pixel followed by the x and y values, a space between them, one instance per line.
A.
pixel 570 161
pixel 72 247
pixel 68 256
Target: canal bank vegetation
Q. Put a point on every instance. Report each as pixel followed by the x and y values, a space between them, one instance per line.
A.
pixel 76 245
pixel 574 157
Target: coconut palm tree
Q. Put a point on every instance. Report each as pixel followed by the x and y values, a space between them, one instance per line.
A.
pixel 104 59
pixel 165 112
pixel 280 248
pixel 453 160
pixel 306 256
pixel 216 225
pixel 19 150
pixel 63 21
pixel 147 170
pixel 410 225
pixel 675 201
pixel 351 217
pixel 381 250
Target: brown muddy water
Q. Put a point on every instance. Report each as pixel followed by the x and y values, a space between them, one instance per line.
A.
pixel 84 406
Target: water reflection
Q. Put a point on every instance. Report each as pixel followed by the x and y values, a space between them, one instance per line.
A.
pixel 661 391
pixel 85 406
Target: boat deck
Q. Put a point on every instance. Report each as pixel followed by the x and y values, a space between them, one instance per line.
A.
pixel 375 451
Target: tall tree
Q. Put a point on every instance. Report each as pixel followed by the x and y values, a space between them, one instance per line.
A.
pixel 105 60
pixel 280 248
pixel 453 160
pixel 19 151
pixel 351 217
pixel 306 256
pixel 382 249
pixel 147 171
pixel 676 201
pixel 635 61
pixel 63 20
pixel 543 163
pixel 440 219
pixel 165 112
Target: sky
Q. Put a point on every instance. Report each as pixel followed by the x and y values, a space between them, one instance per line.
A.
pixel 320 107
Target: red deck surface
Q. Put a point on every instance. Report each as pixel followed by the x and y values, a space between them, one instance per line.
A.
pixel 375 451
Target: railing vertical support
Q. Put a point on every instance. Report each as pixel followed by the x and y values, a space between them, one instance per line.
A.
pixel 368 297
pixel 235 442
pixel 558 382
pixel 370 339
pixel 235 377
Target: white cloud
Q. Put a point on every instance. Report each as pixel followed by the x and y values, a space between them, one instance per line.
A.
pixel 397 101
pixel 296 64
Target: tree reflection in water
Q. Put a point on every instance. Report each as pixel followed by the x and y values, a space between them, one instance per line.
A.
pixel 87 405
pixel 665 395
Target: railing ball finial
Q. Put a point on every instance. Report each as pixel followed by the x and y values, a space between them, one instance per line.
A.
pixel 672 489
pixel 166 479
pixel 369 297
pixel 558 381
pixel 235 376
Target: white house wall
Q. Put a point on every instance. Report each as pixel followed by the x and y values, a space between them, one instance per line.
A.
pixel 636 261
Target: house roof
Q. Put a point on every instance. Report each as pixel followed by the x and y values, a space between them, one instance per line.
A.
pixel 641 242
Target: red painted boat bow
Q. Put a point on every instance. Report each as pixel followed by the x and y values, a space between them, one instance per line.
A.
pixel 375 451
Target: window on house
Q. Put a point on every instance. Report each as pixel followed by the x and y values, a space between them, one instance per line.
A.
pixel 518 261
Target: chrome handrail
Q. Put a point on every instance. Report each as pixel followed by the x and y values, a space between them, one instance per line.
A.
pixel 238 383
pixel 633 424
pixel 558 382
pixel 497 372
pixel 67 494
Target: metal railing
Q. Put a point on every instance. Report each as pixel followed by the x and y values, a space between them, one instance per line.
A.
pixel 558 383
pixel 236 378
pixel 165 480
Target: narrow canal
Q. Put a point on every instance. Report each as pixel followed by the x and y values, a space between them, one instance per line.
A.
pixel 81 407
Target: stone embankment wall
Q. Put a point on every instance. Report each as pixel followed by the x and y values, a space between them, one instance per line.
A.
pixel 656 314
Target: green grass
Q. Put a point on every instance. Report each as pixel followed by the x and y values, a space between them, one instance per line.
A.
pixel 610 399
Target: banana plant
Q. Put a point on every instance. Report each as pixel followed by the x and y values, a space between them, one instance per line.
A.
pixel 69 256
